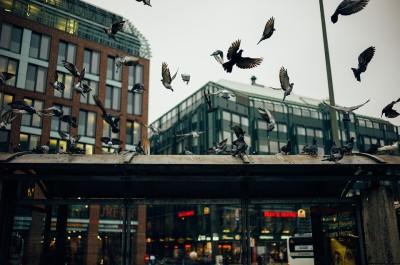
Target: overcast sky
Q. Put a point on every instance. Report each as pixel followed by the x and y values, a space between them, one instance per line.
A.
pixel 184 33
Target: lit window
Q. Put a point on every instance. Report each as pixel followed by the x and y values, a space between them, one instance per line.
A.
pixel 28 141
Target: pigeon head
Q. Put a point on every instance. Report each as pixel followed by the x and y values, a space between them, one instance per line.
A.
pixel 240 52
pixel 291 85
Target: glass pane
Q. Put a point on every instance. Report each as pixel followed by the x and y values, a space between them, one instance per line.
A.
pixel 95 63
pixel 138 104
pixel 68 86
pixel 30 77
pixel 16 40
pixel 34 141
pixel 5 37
pixel 86 60
pixel 136 133
pixel 41 79
pixel 116 98
pixel 110 68
pixel 107 101
pixel 12 68
pixel 131 76
pixel 55 123
pixel 36 119
pixel 91 124
pixel 35 42
pixel 130 103
pixel 129 132
pixel 71 53
pixel 62 50
pixel 23 141
pixel 139 74
pixel 82 123
pixel 95 88
pixel 45 47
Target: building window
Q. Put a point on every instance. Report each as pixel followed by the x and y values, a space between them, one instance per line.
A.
pixel 375 125
pixel 310 132
pixel 301 131
pixel 57 145
pixel 91 61
pixel 36 78
pixel 89 148
pixel 113 98
pixel 10 38
pixel 5 100
pixel 32 120
pixel 40 46
pixel 305 113
pixel 135 75
pixel 282 128
pixel 296 111
pixel 133 132
pixel 87 123
pixel 236 119
pixel 67 80
pixel 56 124
pixel 314 114
pixel 318 133
pixel 226 116
pixel 112 73
pixel 273 146
pixel 134 105
pixel 66 52
pixel 28 141
pixel 10 66
pixel 107 132
pixel 88 98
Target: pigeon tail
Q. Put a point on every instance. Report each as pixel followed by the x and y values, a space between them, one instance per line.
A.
pixel 284 96
pixel 260 41
pixel 334 17
pixel 228 66
pixel 357 74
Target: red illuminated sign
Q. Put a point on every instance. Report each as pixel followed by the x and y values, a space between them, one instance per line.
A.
pixel 186 213
pixel 278 214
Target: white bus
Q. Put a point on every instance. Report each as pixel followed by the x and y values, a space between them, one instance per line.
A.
pixel 300 250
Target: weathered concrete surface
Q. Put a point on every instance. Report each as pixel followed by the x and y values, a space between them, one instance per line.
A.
pixel 382 242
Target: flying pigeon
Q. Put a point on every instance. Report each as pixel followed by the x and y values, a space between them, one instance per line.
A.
pixel 207 98
pixel 185 78
pixel 74 70
pixel 137 88
pixel 145 2
pixel 389 148
pixel 20 106
pixel 71 142
pixel 311 150
pixel 267 116
pixel 219 148
pixel 70 120
pixel 348 7
pixel 286 86
pixel 5 76
pixel 348 147
pixel 166 77
pixel 218 56
pixel 83 88
pixel 110 141
pixel 57 85
pixel 115 27
pixel 125 60
pixel 287 149
pixel 346 110
pixel 335 155
pixel 363 60
pixel 6 117
pixel 194 134
pixel 154 130
pixel 238 131
pixel 234 56
pixel 389 111
pixel 139 149
pixel 268 29
pixel 223 93
pixel 107 117
pixel 53 111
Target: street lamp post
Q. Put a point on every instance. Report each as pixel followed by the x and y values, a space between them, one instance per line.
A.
pixel 334 122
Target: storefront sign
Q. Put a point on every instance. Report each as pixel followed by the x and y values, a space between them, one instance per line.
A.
pixel 186 213
pixel 280 214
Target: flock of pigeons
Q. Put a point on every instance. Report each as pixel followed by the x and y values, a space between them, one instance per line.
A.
pixel 234 58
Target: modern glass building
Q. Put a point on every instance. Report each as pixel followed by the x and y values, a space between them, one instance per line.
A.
pixel 299 119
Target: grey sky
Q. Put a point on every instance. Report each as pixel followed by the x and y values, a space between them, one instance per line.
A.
pixel 184 33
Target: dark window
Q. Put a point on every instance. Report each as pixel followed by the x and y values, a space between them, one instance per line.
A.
pixel 10 38
pixel 10 66
pixel 40 46
pixel 36 78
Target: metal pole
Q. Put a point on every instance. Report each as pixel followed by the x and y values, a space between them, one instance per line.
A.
pixel 334 123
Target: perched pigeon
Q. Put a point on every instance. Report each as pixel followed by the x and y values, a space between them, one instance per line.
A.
pixel 187 152
pixel 71 142
pixel 268 29
pixel 346 110
pixel 234 56
pixel 373 148
pixel 223 93
pixel 57 85
pixel 311 150
pixel 110 141
pixel 115 27
pixel 70 120
pixel 267 116
pixel 348 7
pixel 83 88
pixel 219 148
pixel 194 134
pixel 348 147
pixel 125 60
pixel 218 56
pixel 137 88
pixel 6 117
pixel 107 117
pixel 238 131
pixel 166 76
pixel 145 2
pixel 287 149
pixel 42 149
pixel 74 70
pixel 207 98
pixel 54 111
pixel 286 86
pixel 139 149
pixel 185 78
pixel 5 76
pixel 335 155
pixel 363 60
pixel 20 106
pixel 389 111
pixel 239 144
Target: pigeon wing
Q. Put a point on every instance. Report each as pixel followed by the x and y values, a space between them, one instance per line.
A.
pixel 233 49
pixel 166 75
pixel 335 107
pixel 63 135
pixel 99 104
pixel 7 76
pixel 117 27
pixel 348 7
pixel 71 68
pixel 246 62
pixel 269 26
pixel 366 56
pixel 284 78
pixel 105 139
pixel 174 75
pixel 358 106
